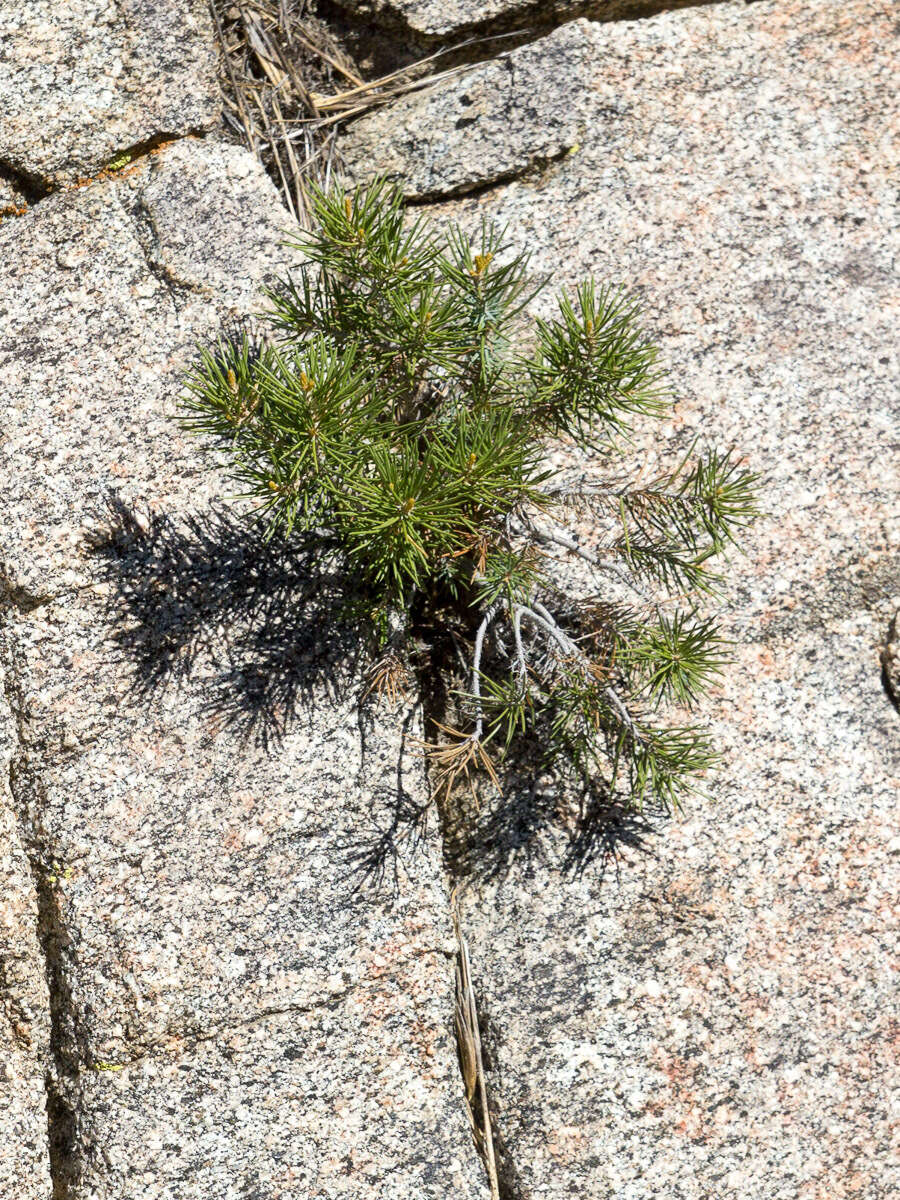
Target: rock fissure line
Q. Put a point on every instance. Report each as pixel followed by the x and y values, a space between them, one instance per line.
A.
pixel 403 48
pixel 172 1052
pixel 60 1069
pixel 179 1045
pixel 19 598
pixel 122 163
pixel 435 701
pixel 147 236
pixel 24 601
pixel 534 171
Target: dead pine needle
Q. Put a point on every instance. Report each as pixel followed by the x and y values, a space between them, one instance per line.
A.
pixel 456 761
pixel 388 678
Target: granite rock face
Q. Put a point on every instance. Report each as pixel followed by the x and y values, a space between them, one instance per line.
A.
pixel 83 81
pixel 433 20
pixel 491 123
pixel 226 959
pixel 58 261
pixel 714 1019
pixel 237 1009
pixel 24 1004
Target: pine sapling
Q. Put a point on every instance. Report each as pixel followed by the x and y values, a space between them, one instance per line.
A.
pixel 402 409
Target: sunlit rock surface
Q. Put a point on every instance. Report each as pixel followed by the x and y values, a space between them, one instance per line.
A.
pixel 82 81
pixel 714 1019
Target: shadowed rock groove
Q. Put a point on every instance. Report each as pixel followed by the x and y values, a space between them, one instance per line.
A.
pixel 62 1068
pixel 395 42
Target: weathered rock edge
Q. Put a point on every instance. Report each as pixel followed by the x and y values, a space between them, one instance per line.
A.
pixel 89 80
pixel 489 124
pixel 430 22
pixel 24 999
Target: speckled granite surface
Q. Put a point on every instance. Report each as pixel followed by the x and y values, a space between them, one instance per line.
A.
pixel 233 1016
pixel 106 290
pixel 227 1016
pixel 491 122
pixel 720 1021
pixel 84 80
pixel 12 198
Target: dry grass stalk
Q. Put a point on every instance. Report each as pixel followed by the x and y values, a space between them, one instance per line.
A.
pixel 354 101
pixel 284 81
pixel 271 56
pixel 471 1061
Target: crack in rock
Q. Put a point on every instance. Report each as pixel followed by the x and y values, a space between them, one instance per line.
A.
pixel 128 69
pixel 60 1116
pixel 535 171
pixel 432 23
pixel 21 191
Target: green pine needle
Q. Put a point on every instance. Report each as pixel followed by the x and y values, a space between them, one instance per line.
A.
pixel 402 408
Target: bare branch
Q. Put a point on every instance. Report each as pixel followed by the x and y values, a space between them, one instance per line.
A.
pixel 567 543
pixel 544 618
pixel 517 634
pixel 476 669
pixel 551 537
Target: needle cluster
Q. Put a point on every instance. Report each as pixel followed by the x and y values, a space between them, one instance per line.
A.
pixel 403 408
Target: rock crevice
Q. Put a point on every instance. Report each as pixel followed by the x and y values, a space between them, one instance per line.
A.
pixel 28 997
pixel 430 23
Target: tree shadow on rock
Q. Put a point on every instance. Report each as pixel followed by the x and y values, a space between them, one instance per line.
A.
pixel 521 829
pixel 397 832
pixel 265 623
pixel 266 626
pixel 540 819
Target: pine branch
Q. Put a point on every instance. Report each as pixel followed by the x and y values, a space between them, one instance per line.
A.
pixel 394 409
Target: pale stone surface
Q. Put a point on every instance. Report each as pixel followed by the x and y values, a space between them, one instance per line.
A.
pixel 430 20
pixel 492 122
pixel 84 80
pixel 172 281
pixel 24 1004
pixel 235 1018
pixel 717 1020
